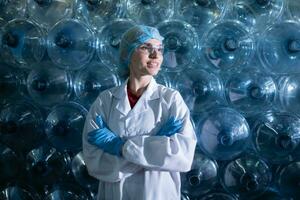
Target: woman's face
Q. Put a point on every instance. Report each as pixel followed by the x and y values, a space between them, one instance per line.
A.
pixel 147 59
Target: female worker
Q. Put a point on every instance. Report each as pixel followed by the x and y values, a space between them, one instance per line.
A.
pixel 138 136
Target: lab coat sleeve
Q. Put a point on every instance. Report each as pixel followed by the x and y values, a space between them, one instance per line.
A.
pixel 101 165
pixel 173 153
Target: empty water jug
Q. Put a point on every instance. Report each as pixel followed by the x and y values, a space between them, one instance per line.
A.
pixel 22 43
pixel 180 44
pixel 150 12
pixel 48 85
pixel 250 91
pixel 201 89
pixel 96 13
pixel 279 48
pixel 45 165
pixel 247 176
pixel 288 180
pixel 256 14
pixel 12 9
pixel 201 178
pixel 81 175
pixel 47 12
pixel 223 133
pixel 92 80
pixel 109 41
pixel 228 45
pixel 201 13
pixel 64 126
pixel 19 192
pixel 289 93
pixel 71 44
pixel 21 126
pixel 218 196
pixel 10 165
pixel 276 136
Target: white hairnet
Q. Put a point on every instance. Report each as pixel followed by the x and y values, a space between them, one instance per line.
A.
pixel 133 38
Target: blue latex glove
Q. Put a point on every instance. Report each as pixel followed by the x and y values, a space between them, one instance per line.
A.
pixel 171 127
pixel 105 139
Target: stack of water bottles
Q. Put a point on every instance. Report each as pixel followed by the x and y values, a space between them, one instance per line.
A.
pixel 235 62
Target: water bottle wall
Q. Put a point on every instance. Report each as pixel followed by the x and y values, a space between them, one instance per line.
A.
pixel 235 63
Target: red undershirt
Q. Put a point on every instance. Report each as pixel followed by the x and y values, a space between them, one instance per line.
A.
pixel 132 98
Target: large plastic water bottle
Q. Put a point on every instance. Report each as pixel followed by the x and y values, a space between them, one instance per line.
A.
pixel 18 191
pixel 47 12
pixel 22 126
pixel 256 14
pixel 22 43
pixel 180 44
pixel 64 126
pixel 279 48
pixel 45 165
pixel 223 133
pixel 201 89
pixel 247 177
pixel 289 91
pixel 48 85
pixel 276 136
pixel 227 45
pixel 150 12
pixel 288 180
pixel 12 9
pixel 81 175
pixel 201 13
pixel 71 44
pixel 202 176
pixel 89 82
pixel 98 13
pixel 109 41
pixel 10 165
pixel 250 91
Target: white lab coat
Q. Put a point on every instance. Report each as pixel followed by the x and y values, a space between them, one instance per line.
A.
pixel 151 165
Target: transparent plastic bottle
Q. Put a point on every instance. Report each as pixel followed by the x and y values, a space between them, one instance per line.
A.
pixel 10 165
pixel 289 92
pixel 250 91
pixel 201 89
pixel 276 136
pixel 47 12
pixel 48 85
pixel 92 80
pixel 288 180
pixel 223 133
pixel 97 13
pixel 201 178
pixel 64 125
pixel 22 126
pixel 284 38
pixel 81 175
pixel 10 9
pixel 22 43
pixel 45 165
pixel 227 46
pixel 256 14
pixel 201 13
pixel 71 44
pixel 109 41
pixel 150 12
pixel 246 176
pixel 181 44
pixel 18 191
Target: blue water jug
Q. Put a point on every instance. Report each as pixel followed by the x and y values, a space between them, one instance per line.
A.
pixel 71 44
pixel 222 133
pixel 180 44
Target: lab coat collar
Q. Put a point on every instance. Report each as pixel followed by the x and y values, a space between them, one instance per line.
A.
pixel 123 105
